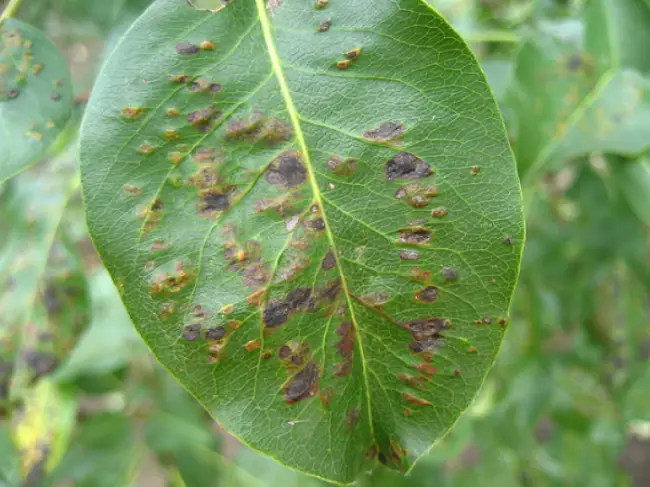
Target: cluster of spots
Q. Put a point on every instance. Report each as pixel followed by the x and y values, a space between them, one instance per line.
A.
pixel 246 260
pixel 486 320
pixel 427 333
pixel 342 167
pixel 350 56
pixel 132 113
pixel 277 311
pixel 427 295
pixel 396 454
pixel 405 165
pixel 345 347
pixel 294 355
pixel 302 385
pixel 287 170
pixel 204 85
pixel 152 214
pixel 170 284
pixel 194 331
pixel 411 380
pixel 387 132
pixel 415 195
pixel 414 236
pixel 257 127
pixel 204 118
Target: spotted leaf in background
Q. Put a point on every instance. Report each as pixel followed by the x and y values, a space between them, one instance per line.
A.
pixel 313 217
pixel 35 96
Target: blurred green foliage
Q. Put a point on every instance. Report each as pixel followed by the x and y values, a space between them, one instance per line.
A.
pixel 83 403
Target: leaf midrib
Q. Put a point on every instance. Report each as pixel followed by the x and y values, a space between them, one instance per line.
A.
pixel 295 122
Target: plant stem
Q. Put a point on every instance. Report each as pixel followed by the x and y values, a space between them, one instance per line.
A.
pixel 11 9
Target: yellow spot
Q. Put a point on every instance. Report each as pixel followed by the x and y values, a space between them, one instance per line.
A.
pixel 172 112
pixel 175 157
pixel 171 134
pixel 207 46
pixel 321 3
pixel 332 186
pixel 228 309
pixel 132 113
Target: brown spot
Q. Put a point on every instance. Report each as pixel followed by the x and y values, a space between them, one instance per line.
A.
pixel 287 170
pixel 416 401
pixel 207 45
pixel 147 149
pixel 175 158
pixel 409 255
pixel 285 352
pixel 427 295
pixel 353 54
pixel 192 332
pixel 132 113
pixel 472 350
pixel 450 273
pixel 326 397
pixel 256 298
pixel 202 117
pixel 415 235
pixel 216 333
pixel 187 49
pixel 168 284
pixel 407 166
pixel 342 167
pixel 439 212
pixel 456 373
pixel 324 26
pixel 179 78
pixel 345 347
pixel 173 112
pixel 344 64
pixel 253 345
pixel 303 385
pixel 407 412
pixel 372 452
pixel 129 188
pixel 267 355
pixel 37 68
pixel 277 312
pixel 427 333
pixel 507 240
pixel 321 3
pixel 203 85
pixel 427 369
pixel 329 262
pixel 207 155
pixel 386 131
pixel 228 309
pixel 412 380
pixel 502 322
pixel 574 62
pixel 352 417
pixel 475 170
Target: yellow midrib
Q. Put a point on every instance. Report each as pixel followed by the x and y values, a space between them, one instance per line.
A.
pixel 293 115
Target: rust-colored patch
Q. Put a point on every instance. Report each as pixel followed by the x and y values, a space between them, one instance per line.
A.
pixel 415 236
pixel 147 149
pixel 416 401
pixel 472 350
pixel 207 155
pixel 132 113
pixel 427 295
pixel 427 333
pixel 321 3
pixel 342 167
pixel 352 417
pixel 502 322
pixel 179 78
pixel 344 64
pixel 326 396
pixel 253 345
pixel 396 452
pixel 246 261
pixel 257 127
pixel 407 412
pixel 303 385
pixel 228 309
pixel 267 355
pixel 204 85
pixel 427 369
pixel 256 298
pixel 345 347
pixel 287 170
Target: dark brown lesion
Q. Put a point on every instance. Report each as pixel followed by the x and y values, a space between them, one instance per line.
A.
pixel 414 235
pixel 303 385
pixel 427 333
pixel 427 295
pixel 257 127
pixel 287 170
pixel 278 311
pixel 405 165
pixel 345 347
pixel 386 132
pixel 329 262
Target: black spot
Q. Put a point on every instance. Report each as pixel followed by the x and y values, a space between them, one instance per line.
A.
pixel 407 166
pixel 329 262
pixel 215 202
pixel 287 170
pixel 276 313
pixel 409 255
pixel 216 333
pixel 187 49
pixel 427 295
pixel 325 26
pixel 317 224
pixel 302 385
pixel 386 131
pixel 192 332
pixel 415 236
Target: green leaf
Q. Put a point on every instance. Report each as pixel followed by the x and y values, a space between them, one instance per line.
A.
pixel 633 179
pixel 35 96
pixel 296 213
pixel 42 429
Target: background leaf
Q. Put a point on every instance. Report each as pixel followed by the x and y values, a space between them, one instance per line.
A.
pixel 35 95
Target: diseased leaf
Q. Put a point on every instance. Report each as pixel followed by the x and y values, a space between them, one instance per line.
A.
pixel 313 218
pixel 35 96
pixel 42 429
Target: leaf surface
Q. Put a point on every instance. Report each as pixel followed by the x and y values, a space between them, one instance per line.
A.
pixel 35 95
pixel 313 218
